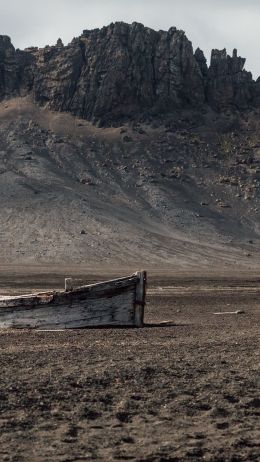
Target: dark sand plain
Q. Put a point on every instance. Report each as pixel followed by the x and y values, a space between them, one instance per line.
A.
pixel 182 191
pixel 184 388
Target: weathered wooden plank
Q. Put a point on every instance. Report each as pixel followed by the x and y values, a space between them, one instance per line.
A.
pixel 68 284
pixel 117 311
pixel 140 298
pixel 220 313
pixel 107 289
pixel 28 301
pixel 113 283
pixel 119 302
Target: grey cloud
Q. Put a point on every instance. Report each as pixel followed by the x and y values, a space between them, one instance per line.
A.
pixel 207 23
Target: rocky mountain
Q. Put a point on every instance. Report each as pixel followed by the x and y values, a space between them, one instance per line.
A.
pixel 124 147
pixel 123 72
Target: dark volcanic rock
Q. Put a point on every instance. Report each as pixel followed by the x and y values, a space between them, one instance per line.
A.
pixel 16 70
pixel 57 73
pixel 202 62
pixel 8 68
pixel 256 93
pixel 126 71
pixel 120 71
pixel 228 83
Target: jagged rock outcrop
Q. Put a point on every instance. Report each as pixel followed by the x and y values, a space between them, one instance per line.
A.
pixel 119 71
pixel 228 83
pixel 8 68
pixel 56 75
pixel 202 62
pixel 123 71
pixel 16 70
pixel 256 93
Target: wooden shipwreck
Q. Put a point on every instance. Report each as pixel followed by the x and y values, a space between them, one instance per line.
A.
pixel 118 302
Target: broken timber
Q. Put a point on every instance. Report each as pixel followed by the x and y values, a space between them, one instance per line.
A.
pixel 119 302
pixel 220 313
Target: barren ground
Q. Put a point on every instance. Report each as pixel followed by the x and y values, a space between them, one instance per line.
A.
pixel 186 390
pixel 183 191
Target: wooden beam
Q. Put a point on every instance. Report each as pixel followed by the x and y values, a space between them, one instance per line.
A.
pixel 68 285
pixel 220 313
pixel 140 298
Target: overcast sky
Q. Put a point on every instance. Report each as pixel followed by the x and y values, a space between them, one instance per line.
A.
pixel 207 23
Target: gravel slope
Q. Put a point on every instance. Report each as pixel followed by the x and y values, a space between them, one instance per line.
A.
pixel 182 191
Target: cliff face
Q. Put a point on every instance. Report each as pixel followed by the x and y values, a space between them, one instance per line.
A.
pixel 8 68
pixel 125 71
pixel 118 71
pixel 228 83
pixel 16 70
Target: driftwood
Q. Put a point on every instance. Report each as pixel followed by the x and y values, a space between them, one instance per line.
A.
pixel 119 302
pixel 229 312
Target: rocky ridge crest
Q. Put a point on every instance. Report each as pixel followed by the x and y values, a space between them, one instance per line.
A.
pixel 124 71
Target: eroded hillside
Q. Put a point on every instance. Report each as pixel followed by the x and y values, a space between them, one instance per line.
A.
pixel 180 189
